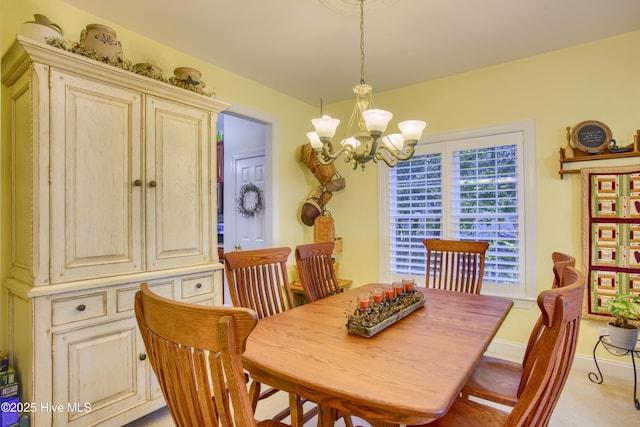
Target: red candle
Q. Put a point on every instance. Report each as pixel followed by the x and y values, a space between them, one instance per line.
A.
pixel 398 288
pixel 364 303
pixel 408 285
pixel 388 294
pixel 377 298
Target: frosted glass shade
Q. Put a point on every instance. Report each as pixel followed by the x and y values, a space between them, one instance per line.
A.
pixel 376 120
pixel 314 139
pixel 394 141
pixel 325 126
pixel 412 129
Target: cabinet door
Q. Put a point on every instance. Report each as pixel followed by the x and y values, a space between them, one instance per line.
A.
pixel 96 158
pixel 178 177
pixel 97 372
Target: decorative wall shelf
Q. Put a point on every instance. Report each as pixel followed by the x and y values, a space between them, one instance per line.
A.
pixel 582 156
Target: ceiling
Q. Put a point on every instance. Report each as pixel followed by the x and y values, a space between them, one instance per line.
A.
pixel 311 48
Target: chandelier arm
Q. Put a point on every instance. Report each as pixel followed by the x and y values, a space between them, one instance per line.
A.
pixel 395 155
pixel 391 162
pixel 408 153
pixel 325 157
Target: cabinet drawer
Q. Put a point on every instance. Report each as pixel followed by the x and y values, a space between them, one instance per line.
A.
pixel 73 309
pixel 125 297
pixel 197 285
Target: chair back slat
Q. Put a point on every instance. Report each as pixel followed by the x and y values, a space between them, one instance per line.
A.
pixel 195 351
pixel 316 270
pixel 455 265
pixel 258 280
pixel 550 360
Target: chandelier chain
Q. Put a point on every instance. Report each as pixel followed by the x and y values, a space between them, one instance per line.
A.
pixel 361 41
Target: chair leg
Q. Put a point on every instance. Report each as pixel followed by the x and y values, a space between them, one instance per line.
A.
pixel 348 422
pixel 254 394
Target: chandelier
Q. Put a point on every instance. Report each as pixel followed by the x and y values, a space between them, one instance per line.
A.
pixel 365 139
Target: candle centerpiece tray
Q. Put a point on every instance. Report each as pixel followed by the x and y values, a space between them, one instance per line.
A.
pixel 370 321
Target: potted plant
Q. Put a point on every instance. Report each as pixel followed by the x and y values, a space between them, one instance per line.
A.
pixel 624 307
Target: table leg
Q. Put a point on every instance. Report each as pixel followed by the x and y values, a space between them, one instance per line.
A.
pixel 327 416
pixel 296 410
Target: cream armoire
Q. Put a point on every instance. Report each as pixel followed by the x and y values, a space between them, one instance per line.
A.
pixel 112 185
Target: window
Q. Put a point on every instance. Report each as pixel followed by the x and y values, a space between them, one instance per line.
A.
pixel 470 185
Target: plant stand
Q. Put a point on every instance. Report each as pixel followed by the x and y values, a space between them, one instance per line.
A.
pixel 616 351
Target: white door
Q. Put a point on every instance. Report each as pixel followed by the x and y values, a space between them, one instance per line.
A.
pixel 250 201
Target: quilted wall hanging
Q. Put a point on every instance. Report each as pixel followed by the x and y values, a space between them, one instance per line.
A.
pixel 611 235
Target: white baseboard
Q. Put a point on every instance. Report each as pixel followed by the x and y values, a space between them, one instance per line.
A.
pixel 615 369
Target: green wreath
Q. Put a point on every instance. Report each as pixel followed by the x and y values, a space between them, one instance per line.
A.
pixel 250 200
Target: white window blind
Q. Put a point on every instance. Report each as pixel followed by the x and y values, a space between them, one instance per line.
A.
pixel 466 188
pixel 484 206
pixel 415 208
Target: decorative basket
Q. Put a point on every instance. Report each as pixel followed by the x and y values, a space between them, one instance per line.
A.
pixel 337 183
pixel 321 196
pixel 324 173
pixel 308 157
pixel 338 247
pixel 323 229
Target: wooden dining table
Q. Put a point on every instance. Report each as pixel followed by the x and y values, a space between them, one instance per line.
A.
pixel 409 373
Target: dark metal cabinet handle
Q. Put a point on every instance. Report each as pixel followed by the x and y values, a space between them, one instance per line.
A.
pixel 137 183
pixel 81 307
pixel 142 356
pixel 152 184
pixel 198 285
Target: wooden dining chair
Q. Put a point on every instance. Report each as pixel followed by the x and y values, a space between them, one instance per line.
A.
pixel 455 265
pixel 195 352
pixel 545 373
pixel 498 380
pixel 316 270
pixel 258 280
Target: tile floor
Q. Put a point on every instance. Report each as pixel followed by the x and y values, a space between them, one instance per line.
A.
pixel 582 404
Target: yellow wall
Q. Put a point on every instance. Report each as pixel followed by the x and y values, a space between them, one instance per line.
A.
pixel 594 81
